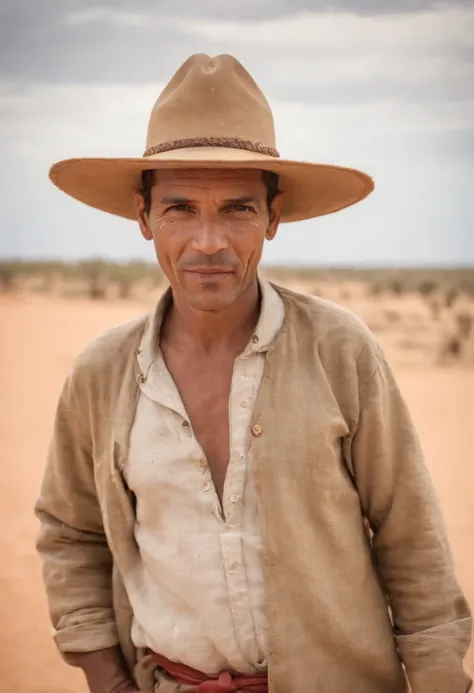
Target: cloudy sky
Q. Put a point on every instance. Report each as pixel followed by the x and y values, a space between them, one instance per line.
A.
pixel 382 85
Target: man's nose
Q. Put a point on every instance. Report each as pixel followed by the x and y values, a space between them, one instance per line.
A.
pixel 210 237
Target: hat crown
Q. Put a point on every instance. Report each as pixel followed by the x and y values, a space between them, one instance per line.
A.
pixel 211 98
pixel 211 115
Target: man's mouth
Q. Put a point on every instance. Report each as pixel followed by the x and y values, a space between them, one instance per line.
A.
pixel 209 270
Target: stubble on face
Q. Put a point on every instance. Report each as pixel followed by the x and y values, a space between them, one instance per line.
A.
pixel 208 228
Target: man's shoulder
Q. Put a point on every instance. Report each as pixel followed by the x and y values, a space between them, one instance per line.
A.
pixel 339 336
pixel 324 315
pixel 110 349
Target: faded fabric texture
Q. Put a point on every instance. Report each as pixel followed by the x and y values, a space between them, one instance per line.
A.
pixel 197 588
pixel 334 450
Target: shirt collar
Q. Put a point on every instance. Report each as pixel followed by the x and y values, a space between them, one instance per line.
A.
pixel 272 313
pixel 271 317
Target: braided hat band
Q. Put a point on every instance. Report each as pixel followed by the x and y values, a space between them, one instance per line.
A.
pixel 229 142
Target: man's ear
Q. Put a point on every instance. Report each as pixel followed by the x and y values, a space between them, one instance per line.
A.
pixel 275 213
pixel 142 217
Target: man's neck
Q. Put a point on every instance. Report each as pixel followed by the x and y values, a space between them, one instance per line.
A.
pixel 209 331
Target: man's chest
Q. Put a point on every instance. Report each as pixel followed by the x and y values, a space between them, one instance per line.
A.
pixel 194 443
pixel 204 390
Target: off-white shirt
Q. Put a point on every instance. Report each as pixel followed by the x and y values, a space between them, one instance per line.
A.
pixel 197 590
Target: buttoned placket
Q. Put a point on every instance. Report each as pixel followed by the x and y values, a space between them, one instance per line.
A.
pixel 240 404
pixel 230 514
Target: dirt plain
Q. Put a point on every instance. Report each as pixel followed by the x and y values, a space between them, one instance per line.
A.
pixel 41 336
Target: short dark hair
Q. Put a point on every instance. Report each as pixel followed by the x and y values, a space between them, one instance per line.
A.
pixel 270 179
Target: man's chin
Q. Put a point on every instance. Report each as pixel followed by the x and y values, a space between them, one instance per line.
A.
pixel 206 300
pixel 210 303
pixel 211 291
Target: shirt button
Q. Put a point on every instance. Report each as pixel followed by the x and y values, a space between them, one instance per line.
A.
pixel 243 404
pixel 203 463
pixel 255 339
pixel 185 424
pixel 257 430
pixel 231 567
pixel 206 486
pixel 234 498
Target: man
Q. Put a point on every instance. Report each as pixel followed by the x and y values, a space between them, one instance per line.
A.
pixel 235 497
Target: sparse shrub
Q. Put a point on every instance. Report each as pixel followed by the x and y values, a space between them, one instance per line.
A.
pixel 450 296
pixel 11 272
pixel 126 276
pixel 464 322
pixel 375 290
pixel 449 348
pixel 7 277
pixel 456 344
pixel 427 287
pixel 453 346
pixel 125 286
pixel 95 272
pixel 467 285
pixel 396 287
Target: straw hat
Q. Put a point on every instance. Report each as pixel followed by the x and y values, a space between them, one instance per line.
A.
pixel 212 115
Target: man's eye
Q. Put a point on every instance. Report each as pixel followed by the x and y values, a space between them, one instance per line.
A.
pixel 242 208
pixel 180 208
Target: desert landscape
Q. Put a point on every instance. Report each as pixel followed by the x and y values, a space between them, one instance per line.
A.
pixel 424 320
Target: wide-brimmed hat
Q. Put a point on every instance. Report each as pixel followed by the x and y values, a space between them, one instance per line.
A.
pixel 212 114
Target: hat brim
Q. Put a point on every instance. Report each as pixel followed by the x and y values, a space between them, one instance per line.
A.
pixel 310 190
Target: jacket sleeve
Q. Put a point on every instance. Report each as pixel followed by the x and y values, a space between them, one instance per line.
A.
pixel 431 618
pixel 77 563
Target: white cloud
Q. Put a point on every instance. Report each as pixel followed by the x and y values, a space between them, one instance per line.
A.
pixel 332 57
pixel 319 32
pixel 58 120
pixel 106 15
pixel 422 54
pixel 94 120
pixel 347 33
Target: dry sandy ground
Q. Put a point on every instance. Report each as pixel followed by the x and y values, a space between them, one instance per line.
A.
pixel 39 340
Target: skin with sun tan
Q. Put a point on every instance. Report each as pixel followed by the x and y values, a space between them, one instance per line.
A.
pixel 208 228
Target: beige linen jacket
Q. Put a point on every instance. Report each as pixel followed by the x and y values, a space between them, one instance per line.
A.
pixel 357 568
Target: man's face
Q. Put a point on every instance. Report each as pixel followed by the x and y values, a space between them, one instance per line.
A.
pixel 208 228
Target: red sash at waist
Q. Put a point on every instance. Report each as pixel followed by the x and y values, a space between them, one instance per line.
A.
pixel 225 682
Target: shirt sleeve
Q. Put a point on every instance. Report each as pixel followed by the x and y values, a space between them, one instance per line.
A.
pixel 431 618
pixel 77 563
